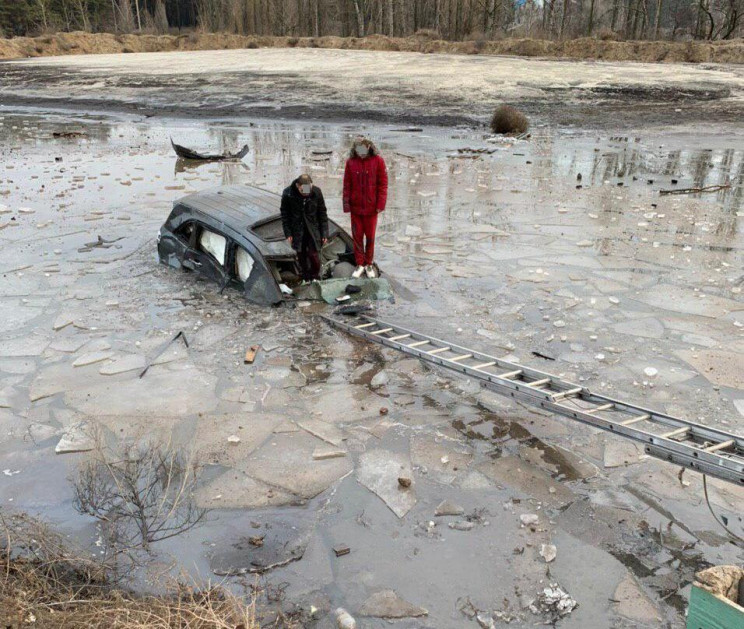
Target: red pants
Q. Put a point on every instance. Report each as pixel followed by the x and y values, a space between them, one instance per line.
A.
pixel 363 227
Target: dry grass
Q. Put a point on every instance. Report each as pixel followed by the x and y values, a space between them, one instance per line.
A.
pixel 508 120
pixel 602 47
pixel 45 584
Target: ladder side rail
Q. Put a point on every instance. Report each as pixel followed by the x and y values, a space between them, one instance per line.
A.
pixel 704 467
pixel 481 376
pixel 732 466
pixel 720 466
pixel 698 430
pixel 535 374
pixel 716 464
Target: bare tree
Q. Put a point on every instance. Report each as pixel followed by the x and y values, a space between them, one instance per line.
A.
pixel 359 11
pixel 141 494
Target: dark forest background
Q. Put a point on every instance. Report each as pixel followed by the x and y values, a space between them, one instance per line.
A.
pixel 446 19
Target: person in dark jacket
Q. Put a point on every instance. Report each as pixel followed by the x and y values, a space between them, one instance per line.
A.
pixel 365 196
pixel 305 223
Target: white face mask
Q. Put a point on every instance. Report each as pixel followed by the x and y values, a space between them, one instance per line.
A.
pixel 362 150
pixel 306 188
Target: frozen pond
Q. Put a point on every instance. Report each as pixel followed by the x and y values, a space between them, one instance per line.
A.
pixel 560 245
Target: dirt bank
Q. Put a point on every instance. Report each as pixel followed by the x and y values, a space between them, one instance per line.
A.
pixel 391 87
pixel 583 48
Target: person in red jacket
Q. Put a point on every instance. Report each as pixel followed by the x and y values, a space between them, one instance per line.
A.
pixel 365 196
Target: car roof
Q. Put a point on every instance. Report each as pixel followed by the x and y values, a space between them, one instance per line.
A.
pixel 238 206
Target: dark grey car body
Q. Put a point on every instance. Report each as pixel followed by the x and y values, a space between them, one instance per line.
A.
pixel 247 218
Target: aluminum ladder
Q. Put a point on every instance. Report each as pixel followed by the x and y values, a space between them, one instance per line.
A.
pixel 681 442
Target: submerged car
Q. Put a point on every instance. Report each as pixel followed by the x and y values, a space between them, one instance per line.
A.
pixel 234 236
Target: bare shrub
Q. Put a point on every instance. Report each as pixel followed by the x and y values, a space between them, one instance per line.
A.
pixel 508 120
pixel 427 33
pixel 607 34
pixel 141 494
pixel 45 582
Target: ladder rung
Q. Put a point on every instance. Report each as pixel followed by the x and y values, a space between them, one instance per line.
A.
pixel 720 446
pixel 463 357
pixel 484 365
pixel 438 351
pixel 364 325
pixel 562 394
pixel 400 336
pixel 539 383
pixel 636 419
pixel 377 332
pixel 603 407
pixel 417 344
pixel 676 433
pixel 510 374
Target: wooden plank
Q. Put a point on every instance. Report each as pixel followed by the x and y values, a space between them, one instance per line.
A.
pixel 250 354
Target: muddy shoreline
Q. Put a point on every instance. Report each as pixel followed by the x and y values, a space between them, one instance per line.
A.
pixel 347 86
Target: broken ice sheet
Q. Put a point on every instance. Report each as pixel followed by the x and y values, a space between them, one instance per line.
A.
pixel 379 470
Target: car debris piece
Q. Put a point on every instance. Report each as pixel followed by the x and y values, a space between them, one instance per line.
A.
pixel 352 310
pixel 68 134
pixel 187 153
pixel 233 439
pixel 342 298
pixel 100 243
pixel 341 550
pixel 250 354
pixel 162 349
pixel 543 356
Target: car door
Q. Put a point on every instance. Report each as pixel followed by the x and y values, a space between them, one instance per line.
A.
pixel 248 270
pixel 207 255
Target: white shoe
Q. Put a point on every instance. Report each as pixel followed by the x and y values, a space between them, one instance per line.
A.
pixel 371 271
pixel 358 272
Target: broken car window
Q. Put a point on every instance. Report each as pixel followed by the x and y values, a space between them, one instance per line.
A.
pixel 185 232
pixel 213 244
pixel 243 264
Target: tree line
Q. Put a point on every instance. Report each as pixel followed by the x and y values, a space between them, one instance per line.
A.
pixel 454 20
